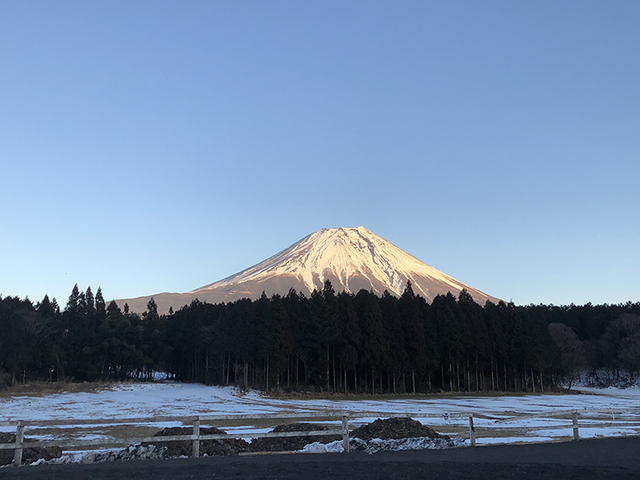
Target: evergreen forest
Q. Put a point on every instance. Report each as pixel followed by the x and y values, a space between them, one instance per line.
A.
pixel 328 341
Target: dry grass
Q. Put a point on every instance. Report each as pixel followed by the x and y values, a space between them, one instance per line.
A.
pixel 47 388
pixel 118 432
pixel 401 396
pixel 39 389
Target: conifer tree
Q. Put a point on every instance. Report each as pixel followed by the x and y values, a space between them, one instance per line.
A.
pixel 100 305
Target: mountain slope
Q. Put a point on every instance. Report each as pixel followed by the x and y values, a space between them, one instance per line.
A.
pixel 351 258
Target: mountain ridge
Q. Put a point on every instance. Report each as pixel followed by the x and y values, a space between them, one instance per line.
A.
pixel 351 258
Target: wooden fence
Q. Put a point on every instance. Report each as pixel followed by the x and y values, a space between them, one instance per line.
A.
pixel 566 419
pixel 574 426
pixel 196 437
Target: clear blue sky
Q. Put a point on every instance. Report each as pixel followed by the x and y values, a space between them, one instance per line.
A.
pixel 154 146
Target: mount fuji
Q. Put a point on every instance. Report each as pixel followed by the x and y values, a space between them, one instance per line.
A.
pixel 351 258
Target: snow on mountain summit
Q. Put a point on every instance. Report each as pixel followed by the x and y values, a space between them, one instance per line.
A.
pixel 351 258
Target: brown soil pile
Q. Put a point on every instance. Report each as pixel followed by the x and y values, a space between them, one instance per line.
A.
pixel 29 455
pixel 287 444
pixel 394 429
pixel 229 446
pixel 390 429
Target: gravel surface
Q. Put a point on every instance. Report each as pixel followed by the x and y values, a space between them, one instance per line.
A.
pixel 613 458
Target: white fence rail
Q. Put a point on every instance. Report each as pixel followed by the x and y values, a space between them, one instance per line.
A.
pixel 568 420
pixel 196 437
pixel 565 420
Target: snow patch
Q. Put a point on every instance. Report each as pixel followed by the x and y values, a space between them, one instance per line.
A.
pixel 378 445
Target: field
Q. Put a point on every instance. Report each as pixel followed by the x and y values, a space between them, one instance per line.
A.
pixel 498 419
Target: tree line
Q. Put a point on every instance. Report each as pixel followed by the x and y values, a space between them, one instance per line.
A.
pixel 327 341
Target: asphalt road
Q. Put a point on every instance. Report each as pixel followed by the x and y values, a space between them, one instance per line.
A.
pixel 613 458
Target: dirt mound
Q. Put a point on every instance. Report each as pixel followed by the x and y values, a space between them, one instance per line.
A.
pixel 229 446
pixel 394 429
pixel 29 455
pixel 235 446
pixel 390 429
pixel 287 444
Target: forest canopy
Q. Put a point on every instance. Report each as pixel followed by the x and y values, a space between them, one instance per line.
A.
pixel 332 342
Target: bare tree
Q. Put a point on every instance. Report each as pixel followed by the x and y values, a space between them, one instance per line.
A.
pixel 621 344
pixel 573 357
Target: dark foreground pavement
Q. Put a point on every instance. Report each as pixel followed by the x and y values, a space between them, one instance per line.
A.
pixel 613 458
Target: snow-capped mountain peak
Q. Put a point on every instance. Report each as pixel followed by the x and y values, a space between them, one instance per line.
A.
pixel 351 258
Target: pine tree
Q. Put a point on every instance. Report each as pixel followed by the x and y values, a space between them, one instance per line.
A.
pixel 74 298
pixel 89 299
pixel 100 305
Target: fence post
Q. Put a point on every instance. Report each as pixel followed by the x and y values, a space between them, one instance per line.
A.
pixel 17 456
pixel 576 434
pixel 196 443
pixel 345 433
pixel 472 432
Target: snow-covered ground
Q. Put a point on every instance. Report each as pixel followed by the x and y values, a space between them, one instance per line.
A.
pixel 498 419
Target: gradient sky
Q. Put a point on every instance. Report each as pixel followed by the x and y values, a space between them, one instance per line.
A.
pixel 154 146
